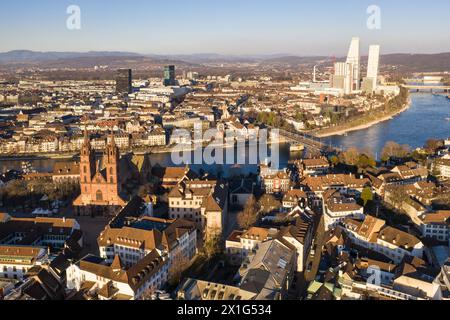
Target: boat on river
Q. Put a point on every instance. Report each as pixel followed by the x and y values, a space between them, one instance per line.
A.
pixel 296 147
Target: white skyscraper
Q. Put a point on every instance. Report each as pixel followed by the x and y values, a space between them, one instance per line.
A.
pixel 373 63
pixel 354 58
pixel 343 76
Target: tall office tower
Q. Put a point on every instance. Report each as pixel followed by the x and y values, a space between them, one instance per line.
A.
pixel 124 81
pixel 354 58
pixel 343 76
pixel 372 65
pixel 169 76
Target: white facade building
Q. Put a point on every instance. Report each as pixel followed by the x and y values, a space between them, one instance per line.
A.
pixel 354 58
pixel 373 64
pixel 15 261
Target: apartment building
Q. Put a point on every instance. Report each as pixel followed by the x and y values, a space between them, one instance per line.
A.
pixel 442 165
pixel 313 167
pixel 279 182
pixel 436 225
pixel 299 237
pixel 373 234
pixel 315 186
pixel 337 207
pixel 269 271
pixel 113 281
pixel 173 239
pixel 66 172
pixel 240 243
pixel 54 233
pixel 15 261
pixel 203 202
pixel 293 198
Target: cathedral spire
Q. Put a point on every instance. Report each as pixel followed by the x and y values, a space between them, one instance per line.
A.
pixel 113 140
pixel 86 148
pixel 87 141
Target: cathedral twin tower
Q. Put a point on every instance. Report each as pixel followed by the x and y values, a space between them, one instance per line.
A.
pixel 99 181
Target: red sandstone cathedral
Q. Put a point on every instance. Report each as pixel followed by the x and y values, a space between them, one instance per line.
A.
pixel 99 181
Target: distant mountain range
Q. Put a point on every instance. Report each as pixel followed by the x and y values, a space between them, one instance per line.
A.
pixel 19 56
pixel 37 56
pixel 418 62
pixel 404 62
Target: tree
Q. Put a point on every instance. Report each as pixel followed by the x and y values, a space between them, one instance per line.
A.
pixel 212 245
pixel 179 264
pixel 268 203
pixel 435 172
pixel 419 157
pixel 433 145
pixel 392 149
pixel 389 150
pixel 366 195
pixel 398 196
pixel 365 161
pixel 350 156
pixel 334 161
pixel 15 191
pixel 249 215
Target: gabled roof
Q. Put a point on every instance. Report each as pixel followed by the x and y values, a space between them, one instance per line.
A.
pixel 108 290
pixel 62 168
pixel 117 263
pixel 267 269
pixel 211 205
pixel 399 238
pixel 130 237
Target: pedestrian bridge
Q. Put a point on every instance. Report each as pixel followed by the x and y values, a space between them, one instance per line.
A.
pixel 424 87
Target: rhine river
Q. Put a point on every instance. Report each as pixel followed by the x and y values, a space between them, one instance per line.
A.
pixel 426 118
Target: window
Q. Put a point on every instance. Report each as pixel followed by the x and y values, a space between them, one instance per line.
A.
pixel 99 195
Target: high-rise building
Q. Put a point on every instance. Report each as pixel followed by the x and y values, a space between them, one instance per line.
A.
pixel 169 76
pixel 124 81
pixel 354 58
pixel 373 63
pixel 343 77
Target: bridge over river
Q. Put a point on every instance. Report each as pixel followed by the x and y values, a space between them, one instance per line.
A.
pixel 310 142
pixel 427 87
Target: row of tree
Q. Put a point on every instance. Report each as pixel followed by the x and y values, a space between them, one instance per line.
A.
pixel 19 193
pixel 274 120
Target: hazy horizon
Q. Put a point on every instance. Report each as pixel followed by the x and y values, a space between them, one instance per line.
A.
pixel 239 28
pixel 248 55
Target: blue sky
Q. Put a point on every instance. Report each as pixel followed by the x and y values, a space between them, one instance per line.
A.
pixel 302 27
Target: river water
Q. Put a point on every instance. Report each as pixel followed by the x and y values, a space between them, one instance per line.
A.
pixel 426 118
